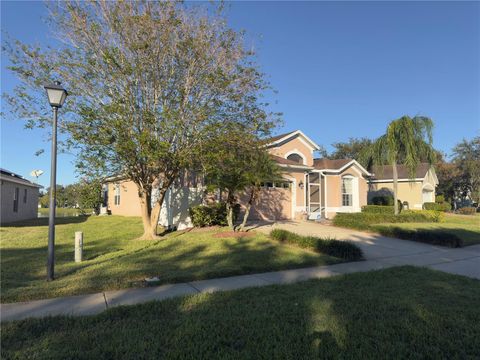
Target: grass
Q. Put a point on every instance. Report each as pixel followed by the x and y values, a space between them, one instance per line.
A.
pixel 402 312
pixel 114 259
pixel 466 227
pixel 64 212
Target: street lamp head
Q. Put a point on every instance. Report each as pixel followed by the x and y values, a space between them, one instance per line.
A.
pixel 56 94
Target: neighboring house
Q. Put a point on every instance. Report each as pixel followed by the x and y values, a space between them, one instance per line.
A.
pixel 19 197
pixel 415 191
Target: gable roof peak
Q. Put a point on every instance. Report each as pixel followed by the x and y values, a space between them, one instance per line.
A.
pixel 278 139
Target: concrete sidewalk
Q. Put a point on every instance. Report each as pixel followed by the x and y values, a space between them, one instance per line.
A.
pixel 380 252
pixel 96 303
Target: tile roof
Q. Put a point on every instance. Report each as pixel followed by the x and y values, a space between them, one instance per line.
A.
pixel 386 171
pixel 283 161
pixel 278 137
pixel 330 164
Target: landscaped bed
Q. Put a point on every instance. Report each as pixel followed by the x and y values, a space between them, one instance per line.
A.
pixel 431 227
pixel 403 312
pixel 114 259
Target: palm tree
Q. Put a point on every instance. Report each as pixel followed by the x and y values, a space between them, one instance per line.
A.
pixel 408 141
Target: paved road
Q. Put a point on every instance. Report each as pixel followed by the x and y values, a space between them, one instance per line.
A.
pixel 380 252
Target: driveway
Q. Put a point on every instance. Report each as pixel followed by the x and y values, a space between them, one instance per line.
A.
pixel 390 251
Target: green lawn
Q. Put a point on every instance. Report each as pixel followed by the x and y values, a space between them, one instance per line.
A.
pixel 64 212
pixel 397 313
pixel 115 259
pixel 467 227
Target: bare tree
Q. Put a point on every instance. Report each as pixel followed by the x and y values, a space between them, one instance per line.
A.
pixel 149 83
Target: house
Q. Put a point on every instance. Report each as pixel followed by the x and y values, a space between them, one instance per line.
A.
pixel 310 188
pixel 319 188
pixel 413 191
pixel 19 197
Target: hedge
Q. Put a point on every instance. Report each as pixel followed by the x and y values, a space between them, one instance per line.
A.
pixel 373 222
pixel 429 236
pixel 467 211
pixel 382 200
pixel 363 220
pixel 341 249
pixel 378 209
pixel 443 206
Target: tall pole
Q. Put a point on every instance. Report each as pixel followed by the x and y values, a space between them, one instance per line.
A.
pixel 53 190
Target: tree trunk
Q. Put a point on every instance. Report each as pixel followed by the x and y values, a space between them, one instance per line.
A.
pixel 395 188
pixel 247 208
pixel 230 203
pixel 150 215
pixel 149 233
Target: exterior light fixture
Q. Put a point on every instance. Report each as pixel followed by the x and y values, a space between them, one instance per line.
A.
pixel 300 184
pixel 56 97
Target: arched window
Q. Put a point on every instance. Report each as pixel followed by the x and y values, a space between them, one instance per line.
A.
pixel 295 157
pixel 347 191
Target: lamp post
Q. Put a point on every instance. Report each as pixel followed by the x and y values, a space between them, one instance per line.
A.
pixel 56 97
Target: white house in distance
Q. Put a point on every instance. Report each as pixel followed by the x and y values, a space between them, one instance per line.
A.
pixel 19 197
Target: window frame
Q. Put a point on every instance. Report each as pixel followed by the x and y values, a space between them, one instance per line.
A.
pixel 116 196
pixel 16 194
pixel 347 195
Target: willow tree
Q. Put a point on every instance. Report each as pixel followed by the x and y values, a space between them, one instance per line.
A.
pixel 148 83
pixel 407 141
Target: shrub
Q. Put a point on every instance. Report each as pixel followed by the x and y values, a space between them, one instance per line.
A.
pixel 467 211
pixel 385 200
pixel 429 236
pixel 378 209
pixel 341 249
pixel 209 215
pixel 439 199
pixel 362 221
pixel 444 206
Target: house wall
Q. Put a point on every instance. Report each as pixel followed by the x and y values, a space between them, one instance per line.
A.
pixel 28 210
pixel 174 210
pixel 295 145
pixel 334 192
pixel 410 191
pixel 129 201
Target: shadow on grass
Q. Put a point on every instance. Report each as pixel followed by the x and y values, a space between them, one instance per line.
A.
pixel 395 313
pixel 44 221
pixel 110 264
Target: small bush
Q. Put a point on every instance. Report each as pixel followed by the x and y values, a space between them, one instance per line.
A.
pixel 203 215
pixel 385 200
pixel 444 206
pixel 429 236
pixel 341 249
pixel 467 211
pixel 378 209
pixel 439 199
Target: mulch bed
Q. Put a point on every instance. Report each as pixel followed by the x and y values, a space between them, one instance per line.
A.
pixel 234 234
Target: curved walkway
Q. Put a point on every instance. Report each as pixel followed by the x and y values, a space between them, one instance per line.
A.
pixel 380 252
pixel 389 251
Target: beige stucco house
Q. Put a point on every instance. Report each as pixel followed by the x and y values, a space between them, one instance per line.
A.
pixel 311 188
pixel 19 197
pixel 414 191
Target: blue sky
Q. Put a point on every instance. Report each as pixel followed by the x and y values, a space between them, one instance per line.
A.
pixel 341 69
